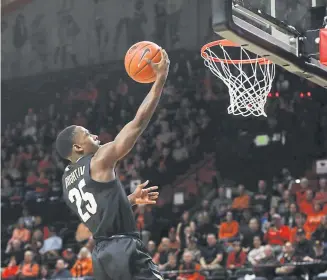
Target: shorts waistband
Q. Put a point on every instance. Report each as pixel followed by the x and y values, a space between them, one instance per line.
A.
pixel 118 236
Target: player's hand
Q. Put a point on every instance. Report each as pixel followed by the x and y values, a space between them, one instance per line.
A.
pixel 161 68
pixel 145 196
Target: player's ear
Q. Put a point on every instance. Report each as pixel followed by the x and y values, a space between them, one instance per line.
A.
pixel 77 148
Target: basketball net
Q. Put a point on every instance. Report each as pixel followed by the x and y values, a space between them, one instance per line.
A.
pixel 248 80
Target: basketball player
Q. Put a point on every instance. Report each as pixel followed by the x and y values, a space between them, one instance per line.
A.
pixel 93 191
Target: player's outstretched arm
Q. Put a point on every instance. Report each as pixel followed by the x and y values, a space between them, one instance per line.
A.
pixel 110 153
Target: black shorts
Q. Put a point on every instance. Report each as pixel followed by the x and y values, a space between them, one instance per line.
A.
pixel 123 257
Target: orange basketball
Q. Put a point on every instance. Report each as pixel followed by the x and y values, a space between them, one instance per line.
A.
pixel 136 64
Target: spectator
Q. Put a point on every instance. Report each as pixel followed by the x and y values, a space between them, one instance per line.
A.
pixel 180 152
pixel 314 218
pixel 299 224
pixel 212 254
pixel 20 233
pixel 284 203
pixel 27 219
pixel 261 199
pixel 11 270
pixel 144 221
pixel 289 219
pixel 152 250
pixel 44 273
pixel 303 247
pixel 218 201
pixel 228 229
pixel 52 243
pixel 237 257
pixel 192 248
pixel 171 266
pixel 248 233
pixel 203 223
pixel 161 257
pixel 29 269
pixel 270 261
pixel 321 232
pixel 14 249
pixel 320 251
pixel 321 255
pixel 173 242
pixel 31 179
pixel 288 272
pixel 278 233
pixel 104 136
pixel 83 266
pixel 306 205
pixel 204 208
pixel 321 195
pixel 242 201
pixel 38 225
pixel 301 193
pixel 189 264
pixel 61 271
pixel 258 251
pixel 69 257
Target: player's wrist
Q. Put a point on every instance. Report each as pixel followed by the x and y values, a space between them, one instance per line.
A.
pixel 132 199
pixel 162 76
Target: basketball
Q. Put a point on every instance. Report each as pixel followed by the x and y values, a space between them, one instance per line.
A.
pixel 136 61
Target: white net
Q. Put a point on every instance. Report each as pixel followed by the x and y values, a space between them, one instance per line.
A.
pixel 249 80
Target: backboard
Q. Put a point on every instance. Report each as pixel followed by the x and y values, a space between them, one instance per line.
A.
pixel 286 32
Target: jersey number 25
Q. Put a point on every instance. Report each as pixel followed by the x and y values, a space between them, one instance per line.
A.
pixel 77 195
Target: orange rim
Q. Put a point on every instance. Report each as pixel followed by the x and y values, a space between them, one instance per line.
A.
pixel 227 43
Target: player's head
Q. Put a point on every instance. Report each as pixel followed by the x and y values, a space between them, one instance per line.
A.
pixel 76 141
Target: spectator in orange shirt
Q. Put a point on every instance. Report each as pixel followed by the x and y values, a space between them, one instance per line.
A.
pixel 29 269
pixel 278 233
pixel 315 217
pixel 300 194
pixel 242 201
pixel 189 264
pixel 83 266
pixel 11 270
pixel 299 224
pixel 321 195
pixel 237 257
pixel 228 229
pixel 306 206
pixel 21 233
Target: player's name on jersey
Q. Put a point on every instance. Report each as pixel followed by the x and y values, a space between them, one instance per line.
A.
pixel 73 177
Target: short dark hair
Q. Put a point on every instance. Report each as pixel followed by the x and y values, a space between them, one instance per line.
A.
pixel 65 141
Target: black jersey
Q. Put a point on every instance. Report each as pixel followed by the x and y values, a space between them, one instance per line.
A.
pixel 103 207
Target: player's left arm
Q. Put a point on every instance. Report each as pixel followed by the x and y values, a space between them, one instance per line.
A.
pixel 110 153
